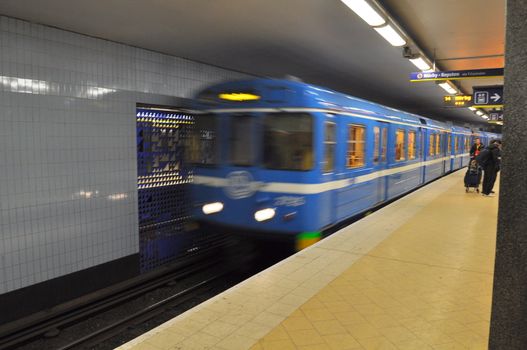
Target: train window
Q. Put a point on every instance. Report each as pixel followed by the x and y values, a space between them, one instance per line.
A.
pixel 384 142
pixel 376 137
pixel 411 145
pixel 467 144
pixel 240 142
pixel 456 144
pixel 288 141
pixel 356 143
pixel 329 146
pixel 399 145
pixel 449 144
pixel 202 147
pixel 431 146
pixel 438 144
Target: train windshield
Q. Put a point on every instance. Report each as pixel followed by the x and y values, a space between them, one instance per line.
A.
pixel 288 141
pixel 240 142
pixel 202 146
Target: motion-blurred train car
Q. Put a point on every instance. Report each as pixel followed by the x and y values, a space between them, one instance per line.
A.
pixel 284 158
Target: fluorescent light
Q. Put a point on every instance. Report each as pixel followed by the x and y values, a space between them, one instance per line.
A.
pixel 448 88
pixel 85 194
pixel 264 214
pixel 212 208
pixel 480 113
pixel 365 11
pixel 472 108
pixel 420 63
pixel 388 33
pixel 484 116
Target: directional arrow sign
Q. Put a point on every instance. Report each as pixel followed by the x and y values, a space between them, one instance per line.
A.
pixel 495 98
pixel 487 96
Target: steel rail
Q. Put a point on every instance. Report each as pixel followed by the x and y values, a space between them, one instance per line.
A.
pixel 53 324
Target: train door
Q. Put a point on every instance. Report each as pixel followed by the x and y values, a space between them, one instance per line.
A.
pixel 457 150
pixel 380 150
pixel 462 149
pixel 443 151
pixel 330 166
pixel 449 158
pixel 424 152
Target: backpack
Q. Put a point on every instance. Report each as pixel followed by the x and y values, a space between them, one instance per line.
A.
pixel 483 157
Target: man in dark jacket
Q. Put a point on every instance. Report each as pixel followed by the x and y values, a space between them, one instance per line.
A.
pixel 491 168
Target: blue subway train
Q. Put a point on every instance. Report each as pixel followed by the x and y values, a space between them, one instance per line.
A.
pixel 284 158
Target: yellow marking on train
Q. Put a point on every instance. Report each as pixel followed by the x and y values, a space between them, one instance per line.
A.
pixel 238 96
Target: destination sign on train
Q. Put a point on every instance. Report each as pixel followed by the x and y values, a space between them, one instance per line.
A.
pixel 238 96
pixel 457 100
pixel 456 74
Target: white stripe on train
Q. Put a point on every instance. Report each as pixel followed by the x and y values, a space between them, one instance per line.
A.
pixel 297 188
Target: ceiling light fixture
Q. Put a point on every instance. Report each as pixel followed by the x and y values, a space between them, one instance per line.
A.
pixel 472 108
pixel 365 11
pixel 420 63
pixel 480 113
pixel 388 33
pixel 448 88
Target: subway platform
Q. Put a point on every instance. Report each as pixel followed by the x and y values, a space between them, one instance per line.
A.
pixel 416 274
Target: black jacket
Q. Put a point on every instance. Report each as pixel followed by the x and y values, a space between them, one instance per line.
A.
pixel 494 160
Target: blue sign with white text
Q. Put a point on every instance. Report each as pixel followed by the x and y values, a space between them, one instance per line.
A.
pixel 456 74
pixel 485 96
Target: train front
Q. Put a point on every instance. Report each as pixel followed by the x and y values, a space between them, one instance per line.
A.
pixel 254 161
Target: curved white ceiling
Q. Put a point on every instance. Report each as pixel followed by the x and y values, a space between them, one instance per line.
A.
pixel 322 42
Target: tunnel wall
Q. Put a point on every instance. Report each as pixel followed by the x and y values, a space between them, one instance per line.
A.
pixel 68 164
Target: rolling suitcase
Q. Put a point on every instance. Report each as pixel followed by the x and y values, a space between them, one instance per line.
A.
pixel 472 176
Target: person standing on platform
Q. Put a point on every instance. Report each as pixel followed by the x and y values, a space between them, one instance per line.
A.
pixel 491 165
pixel 476 148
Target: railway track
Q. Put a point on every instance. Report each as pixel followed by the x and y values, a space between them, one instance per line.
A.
pixel 186 281
pixel 119 317
pixel 114 329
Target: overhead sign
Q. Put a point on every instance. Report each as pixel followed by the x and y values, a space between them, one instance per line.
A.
pixel 496 116
pixel 487 96
pixel 456 74
pixel 457 100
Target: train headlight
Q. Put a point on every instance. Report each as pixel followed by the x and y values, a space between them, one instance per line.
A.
pixel 211 208
pixel 264 214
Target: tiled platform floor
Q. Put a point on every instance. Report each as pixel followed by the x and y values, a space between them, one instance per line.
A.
pixel 415 275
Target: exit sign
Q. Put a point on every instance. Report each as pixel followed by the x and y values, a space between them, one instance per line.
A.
pixel 457 100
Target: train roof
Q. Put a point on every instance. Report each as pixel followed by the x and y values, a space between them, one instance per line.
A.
pixel 461 129
pixel 269 93
pixel 490 135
